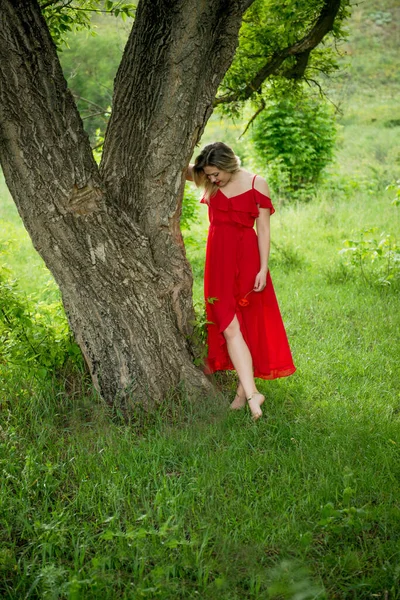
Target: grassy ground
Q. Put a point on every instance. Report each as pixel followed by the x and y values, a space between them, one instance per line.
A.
pixel 195 502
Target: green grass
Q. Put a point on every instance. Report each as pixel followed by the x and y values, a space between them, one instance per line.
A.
pixel 195 502
pixel 192 501
pixel 17 254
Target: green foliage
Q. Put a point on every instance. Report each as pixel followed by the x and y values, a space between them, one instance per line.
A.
pixel 268 27
pixel 345 519
pixel 381 17
pixel 89 66
pixel 287 257
pixel 199 335
pixel 396 188
pixel 34 335
pixel 376 260
pixel 66 16
pixel 292 581
pixel 98 145
pixel 190 207
pixel 295 136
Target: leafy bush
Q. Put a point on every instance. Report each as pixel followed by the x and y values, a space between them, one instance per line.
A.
pixel 190 207
pixel 380 17
pixel 98 145
pixel 199 335
pixel 396 188
pixel 296 136
pixel 34 335
pixel 62 19
pixel 377 261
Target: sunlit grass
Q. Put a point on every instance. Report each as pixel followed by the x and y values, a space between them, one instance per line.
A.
pixel 16 252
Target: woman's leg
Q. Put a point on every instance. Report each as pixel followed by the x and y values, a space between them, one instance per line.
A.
pixel 240 398
pixel 240 356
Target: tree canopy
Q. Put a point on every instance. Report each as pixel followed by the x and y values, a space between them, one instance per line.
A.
pixel 278 42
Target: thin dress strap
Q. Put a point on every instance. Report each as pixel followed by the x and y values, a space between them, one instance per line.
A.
pixel 252 183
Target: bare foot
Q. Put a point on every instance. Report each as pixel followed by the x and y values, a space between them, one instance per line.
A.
pixel 239 402
pixel 255 402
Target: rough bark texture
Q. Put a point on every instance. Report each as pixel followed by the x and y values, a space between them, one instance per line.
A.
pixel 111 237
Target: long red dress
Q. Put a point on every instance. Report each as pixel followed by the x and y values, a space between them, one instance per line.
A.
pixel 232 263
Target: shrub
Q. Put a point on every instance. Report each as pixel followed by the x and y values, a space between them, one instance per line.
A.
pixel 296 137
pixel 377 261
pixel 395 187
pixel 34 335
pixel 190 207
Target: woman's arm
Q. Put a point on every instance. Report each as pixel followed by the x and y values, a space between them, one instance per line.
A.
pixel 189 173
pixel 263 234
pixel 264 238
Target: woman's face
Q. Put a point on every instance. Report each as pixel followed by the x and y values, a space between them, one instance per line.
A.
pixel 217 176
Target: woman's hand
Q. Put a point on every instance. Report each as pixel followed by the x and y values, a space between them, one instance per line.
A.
pixel 261 281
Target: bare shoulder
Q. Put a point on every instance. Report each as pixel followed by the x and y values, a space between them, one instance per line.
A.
pixel 262 186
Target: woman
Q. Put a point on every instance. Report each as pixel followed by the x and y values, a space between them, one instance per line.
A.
pixel 246 332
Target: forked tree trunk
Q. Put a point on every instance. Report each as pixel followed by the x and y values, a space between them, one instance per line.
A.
pixel 111 236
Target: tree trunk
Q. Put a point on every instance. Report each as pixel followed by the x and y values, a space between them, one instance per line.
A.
pixel 111 236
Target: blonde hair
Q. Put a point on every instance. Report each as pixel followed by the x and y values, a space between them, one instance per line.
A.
pixel 217 155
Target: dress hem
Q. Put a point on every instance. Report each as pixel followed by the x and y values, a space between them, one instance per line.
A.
pixel 272 374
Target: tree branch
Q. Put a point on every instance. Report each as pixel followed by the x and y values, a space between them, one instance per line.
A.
pixel 66 5
pixel 261 108
pixel 298 69
pixel 246 4
pixel 323 94
pixel 99 145
pixel 103 110
pixel 47 4
pixel 96 114
pixel 301 50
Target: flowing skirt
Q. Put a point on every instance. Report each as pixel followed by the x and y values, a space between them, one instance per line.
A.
pixel 232 263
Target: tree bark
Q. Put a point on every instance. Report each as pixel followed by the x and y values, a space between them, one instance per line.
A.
pixel 111 236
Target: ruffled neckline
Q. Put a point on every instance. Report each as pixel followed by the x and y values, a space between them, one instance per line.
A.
pixel 245 202
pixel 241 203
pixel 236 195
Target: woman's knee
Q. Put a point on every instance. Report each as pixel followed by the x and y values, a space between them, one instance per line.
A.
pixel 233 329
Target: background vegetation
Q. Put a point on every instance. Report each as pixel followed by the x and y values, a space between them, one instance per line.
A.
pixel 194 502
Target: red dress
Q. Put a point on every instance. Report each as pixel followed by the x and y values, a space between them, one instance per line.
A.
pixel 232 263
